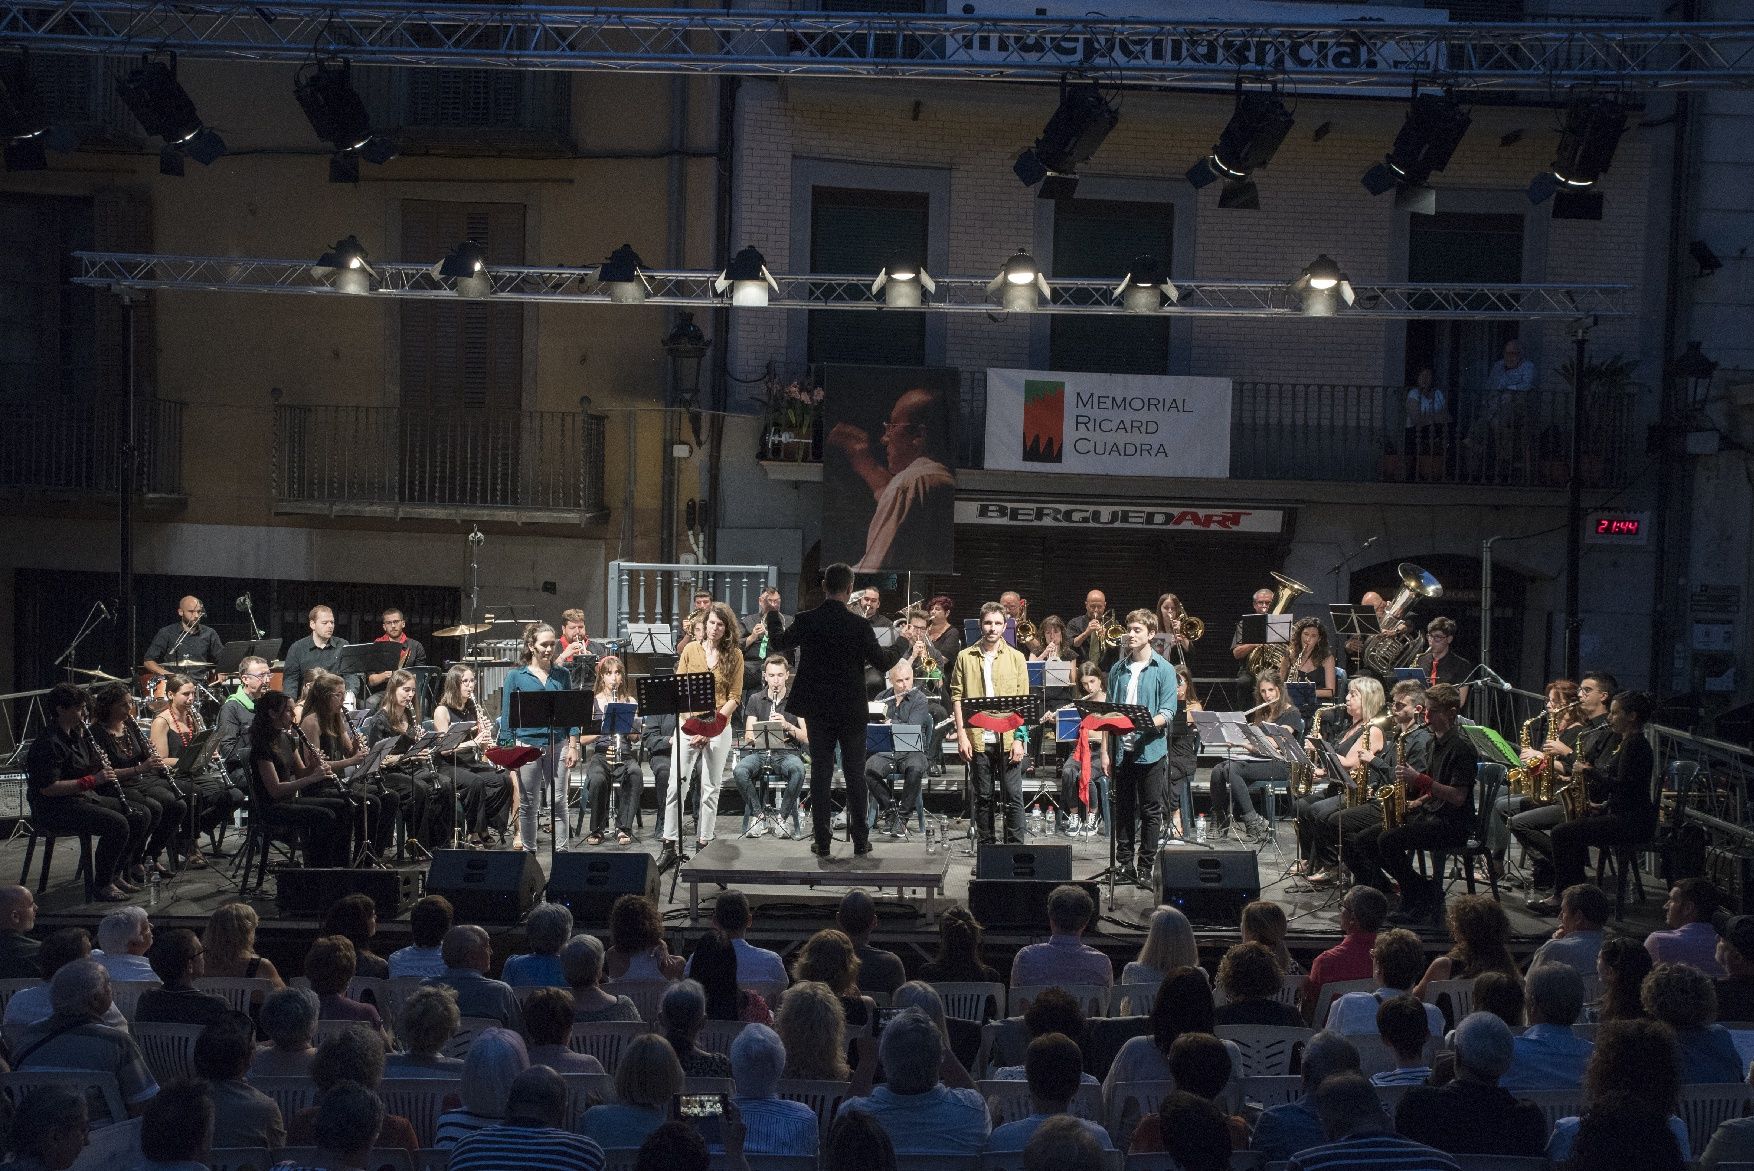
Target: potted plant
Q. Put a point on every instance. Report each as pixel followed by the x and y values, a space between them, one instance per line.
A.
pixel 792 408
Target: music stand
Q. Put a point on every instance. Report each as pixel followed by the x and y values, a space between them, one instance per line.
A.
pixel 1353 621
pixel 553 710
pixel 1490 745
pixel 674 695
pixel 1142 719
pixel 374 759
pixel 768 737
pixel 231 655
pixel 650 638
pixel 1029 707
pixel 358 660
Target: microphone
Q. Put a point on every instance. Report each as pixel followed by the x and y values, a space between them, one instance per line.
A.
pixel 105 610
pixel 1493 678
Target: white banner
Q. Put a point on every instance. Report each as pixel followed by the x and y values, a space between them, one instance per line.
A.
pixel 1083 514
pixel 1108 424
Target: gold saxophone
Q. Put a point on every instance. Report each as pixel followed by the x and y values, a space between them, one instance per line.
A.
pixel 1517 781
pixel 1393 796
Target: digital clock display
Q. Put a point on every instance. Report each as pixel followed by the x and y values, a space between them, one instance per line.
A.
pixel 1619 526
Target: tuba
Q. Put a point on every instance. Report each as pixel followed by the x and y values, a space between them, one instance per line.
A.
pixel 1274 658
pixel 1193 629
pixel 1395 647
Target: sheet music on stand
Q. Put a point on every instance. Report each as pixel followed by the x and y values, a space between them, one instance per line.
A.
pixel 1027 706
pixel 1492 747
pixel 893 738
pixel 651 638
pixel 1223 729
pixel 195 758
pixel 1285 744
pixel 232 654
pixel 770 736
pixel 457 735
pixel 618 717
pixel 374 759
pixel 556 711
pixel 672 695
pixel 1267 629
pixel 1353 621
pixel 1047 674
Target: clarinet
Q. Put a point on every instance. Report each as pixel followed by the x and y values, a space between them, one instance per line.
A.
pixel 104 766
pixel 322 760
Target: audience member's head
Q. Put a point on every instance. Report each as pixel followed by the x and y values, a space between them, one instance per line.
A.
pixel 177 1125
pixel 1196 1133
pixel 1326 1054
pixel 230 937
pixel 714 964
pixel 49 1125
pixel 289 1018
pixel 1347 1105
pixel 429 1019
pixel 1063 1143
pixel 857 916
pixel 732 914
pixel 1735 942
pixel 634 925
pixel 921 995
pixel 1169 941
pixel 354 916
pixel 1183 1005
pixel 1584 907
pixel 649 1074
pixel 61 948
pixel 682 1012
pixel 354 1053
pixel 1636 1059
pixel 959 943
pixel 1053 1067
pixel 1248 971
pixel 857 1143
pixel 1480 931
pixel 758 1061
pixel 674 1146
pixel 828 956
pixel 176 957
pixel 124 931
pixel 1402 1024
pixel 330 965
pixel 812 1023
pixel 1484 1047
pixel 537 1097
pixel 548 1016
pixel 1553 994
pixel 224 1048
pixel 80 989
pixel 1501 994
pixel 582 961
pixel 546 928
pixel 1054 1010
pixel 348 1119
pixel 1069 909
pixel 1624 1133
pixel 1679 995
pixel 1621 966
pixel 495 1059
pixel 1691 900
pixel 1200 1064
pixel 429 920
pixel 1363 910
pixel 467 947
pixel 1264 922
pixel 911 1049
pixel 1399 959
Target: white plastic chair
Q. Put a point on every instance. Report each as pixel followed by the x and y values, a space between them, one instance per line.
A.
pixel 240 993
pixel 1332 991
pixel 1460 993
pixel 125 995
pixel 169 1049
pixel 1008 1101
pixel 824 1097
pixel 1131 1101
pixel 1277 1090
pixel 1132 999
pixel 605 1040
pixel 647 995
pixel 716 1036
pixel 20 1082
pixel 420 1100
pixel 970 1000
pixel 468 1028
pixel 1267 1050
pixel 291 1094
pixel 1705 1107
pixel 1092 998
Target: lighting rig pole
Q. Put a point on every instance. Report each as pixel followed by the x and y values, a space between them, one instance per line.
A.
pixel 131 301
pixel 1580 340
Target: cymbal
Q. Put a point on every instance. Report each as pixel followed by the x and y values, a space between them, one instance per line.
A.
pixel 97 674
pixel 462 628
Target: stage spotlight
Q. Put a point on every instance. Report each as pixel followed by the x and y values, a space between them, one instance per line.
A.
pixel 1322 287
pixel 1083 119
pixel 624 277
pixel 1587 141
pixel 904 282
pixel 25 130
pixel 165 110
pixel 467 265
pixel 1433 129
pixel 345 267
pixel 1019 284
pixel 748 279
pixel 1257 126
pixel 1146 285
pixel 325 92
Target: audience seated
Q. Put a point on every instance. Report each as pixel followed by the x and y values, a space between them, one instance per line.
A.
pixel 1635 1065
pixel 288 1020
pixel 959 952
pixel 732 915
pixel 812 1026
pixel 714 966
pixel 1401 1021
pixel 468 956
pixel 879 971
pixel 681 1017
pixel 354 917
pixel 176 1129
pixel 680 1146
pixel 31 1006
pixel 772 1125
pixel 1621 967
pixel 1397 959
pixel 1282 1131
pixel 1198 1134
pixel 176 960
pixel 646 1079
pixel 856 1143
pixel 329 966
pixel 123 938
pixel 1184 1005
pixel 1735 951
pixel 963 1037
pixel 534 1134
pixel 546 930
pixel 495 1059
pixel 1169 944
pixel 429 1019
pixel 1583 913
pixel 229 945
pixel 1264 922
pixel 1358 1134
pixel 1690 937
pixel 1050 1066
pixel 548 1025
pixel 75 1037
pixel 1474 1115
pixel 1063 1144
pixel 428 922
pixel 921 1113
pixel 1684 998
pixel 243 1115
pixel 1065 958
pixel 355 1054
pixel 1200 1065
pixel 1250 979
pixel 48 1130
pixel 1362 912
pixel 1548 1055
pixel 18 916
pixel 1479 932
pixel 637 948
pixel 1623 1135
pixel 1054 1011
pixel 346 1125
pixel 581 961
pixel 827 957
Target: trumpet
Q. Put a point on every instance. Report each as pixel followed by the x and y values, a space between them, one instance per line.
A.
pixel 1111 633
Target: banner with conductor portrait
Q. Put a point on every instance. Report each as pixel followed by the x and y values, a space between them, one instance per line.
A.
pixel 889 467
pixel 1108 424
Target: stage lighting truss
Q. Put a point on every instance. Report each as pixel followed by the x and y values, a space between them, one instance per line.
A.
pixel 1331 56
pixel 695 289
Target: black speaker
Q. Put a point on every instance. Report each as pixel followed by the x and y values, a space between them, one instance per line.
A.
pixel 588 883
pixel 1018 902
pixel 1046 863
pixel 308 894
pixel 498 886
pixel 1208 886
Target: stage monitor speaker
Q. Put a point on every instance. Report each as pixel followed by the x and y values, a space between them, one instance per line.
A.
pixel 587 883
pixel 1208 886
pixel 1018 902
pixel 308 894
pixel 1044 863
pixel 498 886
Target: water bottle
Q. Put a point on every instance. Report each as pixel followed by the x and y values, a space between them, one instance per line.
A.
pixel 152 887
pixel 1200 828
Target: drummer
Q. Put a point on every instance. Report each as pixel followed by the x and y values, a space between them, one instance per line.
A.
pixel 186 646
pixel 412 655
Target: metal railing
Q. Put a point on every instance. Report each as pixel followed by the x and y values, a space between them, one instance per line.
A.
pixel 76 447
pixel 409 462
pixel 651 591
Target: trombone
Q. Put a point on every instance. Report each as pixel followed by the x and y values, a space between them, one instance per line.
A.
pixel 1112 633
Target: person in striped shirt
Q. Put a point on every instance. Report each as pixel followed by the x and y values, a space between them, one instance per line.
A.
pixel 1358 1134
pixel 773 1125
pixel 1401 1023
pixel 533 1136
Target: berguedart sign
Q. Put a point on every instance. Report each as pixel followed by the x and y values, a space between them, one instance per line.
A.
pixel 1113 424
pixel 1106 515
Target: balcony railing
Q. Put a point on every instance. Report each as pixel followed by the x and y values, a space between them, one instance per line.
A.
pixel 75 448
pixel 531 466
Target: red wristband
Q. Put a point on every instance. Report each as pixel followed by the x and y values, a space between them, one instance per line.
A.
pixel 88 782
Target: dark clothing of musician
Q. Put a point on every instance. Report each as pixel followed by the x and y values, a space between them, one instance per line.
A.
pixel 604 778
pixel 787 764
pixel 1184 758
pixel 1593 744
pixel 1140 759
pixel 1629 816
pixel 835 647
pixel 1510 805
pixel 1451 669
pixel 1339 823
pixel 1311 811
pixel 1436 825
pixel 166 810
pixel 375 806
pixel 657 734
pixel 413 655
pixel 322 819
pixel 1244 676
pixel 755 653
pixel 1111 652
pixel 485 790
pixel 232 727
pixel 908 710
pixel 1244 776
pixel 428 800
pixel 171 643
pixel 580 668
pixel 305 655
pixel 217 793
pixel 120 829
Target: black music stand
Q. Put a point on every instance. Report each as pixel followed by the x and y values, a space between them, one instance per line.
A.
pixel 672 695
pixel 768 737
pixel 553 710
pixel 1141 718
pixel 358 660
pixel 232 654
pixel 1029 707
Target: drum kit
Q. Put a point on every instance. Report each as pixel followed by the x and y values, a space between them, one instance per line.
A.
pixel 492 659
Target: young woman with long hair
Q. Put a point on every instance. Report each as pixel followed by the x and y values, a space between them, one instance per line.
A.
pixel 324 725
pixel 145 784
pixel 717 653
pixel 1361 743
pixel 1242 776
pixel 549 770
pixel 610 761
pixel 288 779
pixel 428 800
pixel 487 791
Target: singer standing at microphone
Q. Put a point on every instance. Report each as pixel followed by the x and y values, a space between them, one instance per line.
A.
pixel 186 638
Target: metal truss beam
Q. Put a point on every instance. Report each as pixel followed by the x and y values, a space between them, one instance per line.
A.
pixel 954 294
pixel 1330 57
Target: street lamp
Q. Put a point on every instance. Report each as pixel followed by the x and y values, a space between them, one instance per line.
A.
pixel 686 346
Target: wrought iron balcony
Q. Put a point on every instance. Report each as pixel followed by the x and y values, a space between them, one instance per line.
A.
pixel 74 449
pixel 522 466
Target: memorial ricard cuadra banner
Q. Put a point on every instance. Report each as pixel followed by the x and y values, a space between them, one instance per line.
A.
pixel 1110 424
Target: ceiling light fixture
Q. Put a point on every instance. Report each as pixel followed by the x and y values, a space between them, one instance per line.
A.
pixel 1019 284
pixel 345 266
pixel 1322 287
pixel 1433 128
pixel 336 112
pixel 748 279
pixel 1078 126
pixel 904 282
pixel 467 265
pixel 164 110
pixel 1257 126
pixel 623 274
pixel 1146 286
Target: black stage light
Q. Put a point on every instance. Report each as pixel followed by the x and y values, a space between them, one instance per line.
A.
pixel 624 275
pixel 467 265
pixel 1433 129
pixel 165 110
pixel 25 129
pixel 1257 126
pixel 336 112
pixel 1587 141
pixel 1083 119
pixel 1146 285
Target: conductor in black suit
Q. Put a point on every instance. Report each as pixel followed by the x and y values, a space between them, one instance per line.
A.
pixel 835 645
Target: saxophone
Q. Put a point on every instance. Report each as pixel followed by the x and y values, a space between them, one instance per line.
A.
pixel 1393 796
pixel 1518 782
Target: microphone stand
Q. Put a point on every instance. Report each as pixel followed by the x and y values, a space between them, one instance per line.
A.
pixel 93 616
pixel 1347 560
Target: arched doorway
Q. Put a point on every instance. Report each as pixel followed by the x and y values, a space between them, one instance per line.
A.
pixel 1460 578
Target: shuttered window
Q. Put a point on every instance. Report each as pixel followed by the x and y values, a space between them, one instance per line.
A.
pixel 462 353
pixel 1098 239
pixel 855 231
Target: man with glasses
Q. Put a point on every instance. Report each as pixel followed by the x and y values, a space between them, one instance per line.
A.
pixel 912 490
pixel 1439 663
pixel 176 960
pixel 185 639
pixel 1240 650
pixel 235 715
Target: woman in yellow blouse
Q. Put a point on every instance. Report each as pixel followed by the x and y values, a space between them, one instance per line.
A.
pixel 716 652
